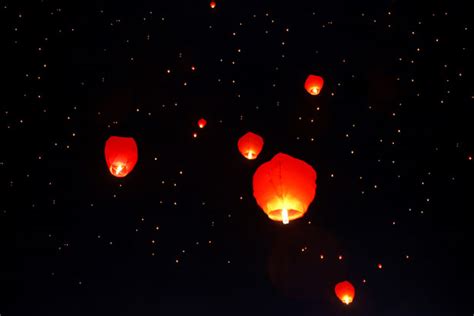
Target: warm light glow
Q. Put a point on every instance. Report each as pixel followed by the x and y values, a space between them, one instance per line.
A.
pixel 250 155
pixel 284 216
pixel 212 4
pixel 346 299
pixel 117 168
pixel 314 90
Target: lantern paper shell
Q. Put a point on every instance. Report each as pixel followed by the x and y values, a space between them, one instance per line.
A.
pixel 212 4
pixel 314 84
pixel 345 292
pixel 250 145
pixel 121 155
pixel 201 123
pixel 284 187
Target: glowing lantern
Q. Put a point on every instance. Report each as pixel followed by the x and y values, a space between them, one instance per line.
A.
pixel 284 187
pixel 121 155
pixel 201 123
pixel 212 4
pixel 314 84
pixel 345 292
pixel 250 145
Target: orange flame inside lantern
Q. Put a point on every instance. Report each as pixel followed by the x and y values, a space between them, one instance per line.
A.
pixel 314 84
pixel 250 145
pixel 284 187
pixel 201 123
pixel 345 292
pixel 121 155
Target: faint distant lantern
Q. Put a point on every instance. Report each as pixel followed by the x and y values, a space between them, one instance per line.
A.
pixel 345 292
pixel 250 145
pixel 212 4
pixel 314 84
pixel 121 155
pixel 201 123
pixel 284 187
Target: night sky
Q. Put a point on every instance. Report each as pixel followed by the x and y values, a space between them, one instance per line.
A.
pixel 390 137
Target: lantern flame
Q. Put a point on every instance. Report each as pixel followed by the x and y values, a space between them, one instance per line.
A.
pixel 117 169
pixel 284 216
pixel 347 299
pixel 250 155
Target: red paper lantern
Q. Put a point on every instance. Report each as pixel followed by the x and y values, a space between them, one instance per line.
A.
pixel 212 4
pixel 314 84
pixel 121 155
pixel 201 123
pixel 250 145
pixel 345 292
pixel 284 187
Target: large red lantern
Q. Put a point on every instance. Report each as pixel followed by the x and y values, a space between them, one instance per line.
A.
pixel 201 123
pixel 212 4
pixel 284 187
pixel 250 145
pixel 345 292
pixel 121 155
pixel 314 84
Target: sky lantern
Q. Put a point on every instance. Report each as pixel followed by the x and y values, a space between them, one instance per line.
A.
pixel 212 4
pixel 284 187
pixel 314 84
pixel 121 155
pixel 201 123
pixel 345 292
pixel 250 145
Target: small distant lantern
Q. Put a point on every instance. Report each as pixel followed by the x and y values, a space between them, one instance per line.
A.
pixel 345 292
pixel 201 123
pixel 250 145
pixel 314 84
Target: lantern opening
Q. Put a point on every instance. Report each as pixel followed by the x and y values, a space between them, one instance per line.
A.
pixel 251 155
pixel 314 91
pixel 118 169
pixel 346 299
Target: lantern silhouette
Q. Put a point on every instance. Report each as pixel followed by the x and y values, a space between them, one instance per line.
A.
pixel 201 123
pixel 284 187
pixel 250 145
pixel 121 155
pixel 345 292
pixel 212 4
pixel 314 84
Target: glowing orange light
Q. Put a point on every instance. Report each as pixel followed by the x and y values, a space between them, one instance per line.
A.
pixel 121 155
pixel 195 135
pixel 284 187
pixel 379 266
pixel 212 4
pixel 250 145
pixel 345 292
pixel 314 84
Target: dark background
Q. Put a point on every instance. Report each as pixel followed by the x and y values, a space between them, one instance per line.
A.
pixel 77 241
